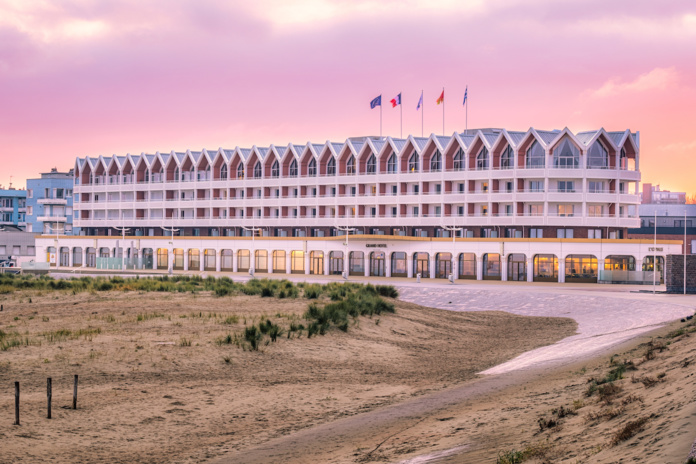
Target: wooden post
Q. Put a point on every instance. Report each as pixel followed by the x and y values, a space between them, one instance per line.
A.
pixel 49 393
pixel 74 396
pixel 16 403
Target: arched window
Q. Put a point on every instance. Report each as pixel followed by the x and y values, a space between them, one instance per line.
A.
pixel 507 159
pixel 293 169
pixel 566 155
pixel 147 175
pixel 240 171
pixel 331 167
pixel 436 161
pixel 598 157
pixel 482 159
pixel 257 170
pixel 371 164
pixel 176 175
pixel 312 167
pixel 350 165
pixel 535 156
pixel 223 172
pixel 275 169
pixel 623 162
pixel 391 164
pixel 413 162
pixel 459 160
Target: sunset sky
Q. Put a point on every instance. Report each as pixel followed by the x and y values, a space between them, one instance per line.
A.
pixel 106 77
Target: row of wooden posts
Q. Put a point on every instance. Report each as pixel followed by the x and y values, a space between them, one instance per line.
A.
pixel 49 394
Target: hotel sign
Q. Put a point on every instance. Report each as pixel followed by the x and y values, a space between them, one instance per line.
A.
pixel 655 249
pixel 376 245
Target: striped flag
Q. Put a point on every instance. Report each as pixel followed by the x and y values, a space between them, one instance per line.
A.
pixel 441 98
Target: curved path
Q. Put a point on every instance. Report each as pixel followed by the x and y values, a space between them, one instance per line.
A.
pixel 606 317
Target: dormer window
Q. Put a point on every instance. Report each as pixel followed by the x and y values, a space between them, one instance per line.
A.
pixel 257 170
pixel 240 171
pixel 566 155
pixel 331 167
pixel 436 161
pixel 293 169
pixel 350 165
pixel 223 172
pixel 535 156
pixel 275 169
pixel 413 162
pixel 482 159
pixel 312 167
pixel 598 157
pixel 507 159
pixel 371 166
pixel 459 160
pixel 391 164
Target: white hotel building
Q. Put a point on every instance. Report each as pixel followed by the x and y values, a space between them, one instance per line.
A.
pixel 522 205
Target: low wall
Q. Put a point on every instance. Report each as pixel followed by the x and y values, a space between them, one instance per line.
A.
pixel 674 273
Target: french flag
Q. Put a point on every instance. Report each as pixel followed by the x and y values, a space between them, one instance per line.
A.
pixel 396 101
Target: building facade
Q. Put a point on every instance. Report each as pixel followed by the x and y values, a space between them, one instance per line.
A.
pixel 653 195
pixel 672 221
pixel 50 203
pixel 490 183
pixel 485 204
pixel 16 247
pixel 13 208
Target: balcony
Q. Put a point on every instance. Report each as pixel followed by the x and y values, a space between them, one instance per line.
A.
pixel 52 219
pixel 52 201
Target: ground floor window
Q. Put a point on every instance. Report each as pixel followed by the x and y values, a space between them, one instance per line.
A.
pixel 162 258
pixel 261 260
pixel 297 262
pixel 421 264
pixel 398 264
pixel 336 262
pixel 581 268
pixel 316 262
pixel 178 259
pixel 619 263
pixel 226 260
pixel 243 260
pixel 545 268
pixel 209 260
pixel 491 266
pixel 279 261
pixel 648 266
pixel 377 260
pixel 443 265
pixel 357 263
pixel 517 267
pixel 194 259
pixel 467 266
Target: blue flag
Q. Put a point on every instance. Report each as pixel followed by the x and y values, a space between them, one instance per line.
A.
pixel 376 102
pixel 465 92
pixel 420 102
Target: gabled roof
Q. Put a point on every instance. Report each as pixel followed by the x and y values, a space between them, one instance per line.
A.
pixel 397 144
pixel 567 133
pixel 547 136
pixel 419 142
pixel 515 136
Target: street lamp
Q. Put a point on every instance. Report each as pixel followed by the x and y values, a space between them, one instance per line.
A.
pixel 123 246
pixel 170 265
pixel 347 230
pixel 453 230
pixel 252 258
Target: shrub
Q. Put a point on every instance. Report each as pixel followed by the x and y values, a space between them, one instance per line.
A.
pixel 629 430
pixel 252 336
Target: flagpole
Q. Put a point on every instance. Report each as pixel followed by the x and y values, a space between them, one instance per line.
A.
pixel 422 111
pixel 443 111
pixel 401 111
pixel 466 124
pixel 380 118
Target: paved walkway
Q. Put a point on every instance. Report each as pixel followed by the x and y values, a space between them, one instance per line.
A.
pixel 605 316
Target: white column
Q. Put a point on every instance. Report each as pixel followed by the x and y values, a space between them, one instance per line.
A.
pixel 202 259
pixel 70 257
pixel 530 269
pixel 306 262
pixel 479 267
pixel 84 261
pixel 288 269
pixel 387 264
pixel 366 259
pixel 431 265
pixel 235 263
pixel 409 265
pixel 561 269
pixel 503 268
pixel 327 263
pixel 186 259
pixel 218 260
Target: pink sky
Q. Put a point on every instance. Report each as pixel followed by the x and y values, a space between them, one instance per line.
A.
pixel 82 78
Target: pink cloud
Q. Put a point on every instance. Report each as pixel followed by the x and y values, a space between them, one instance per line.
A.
pixel 180 74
